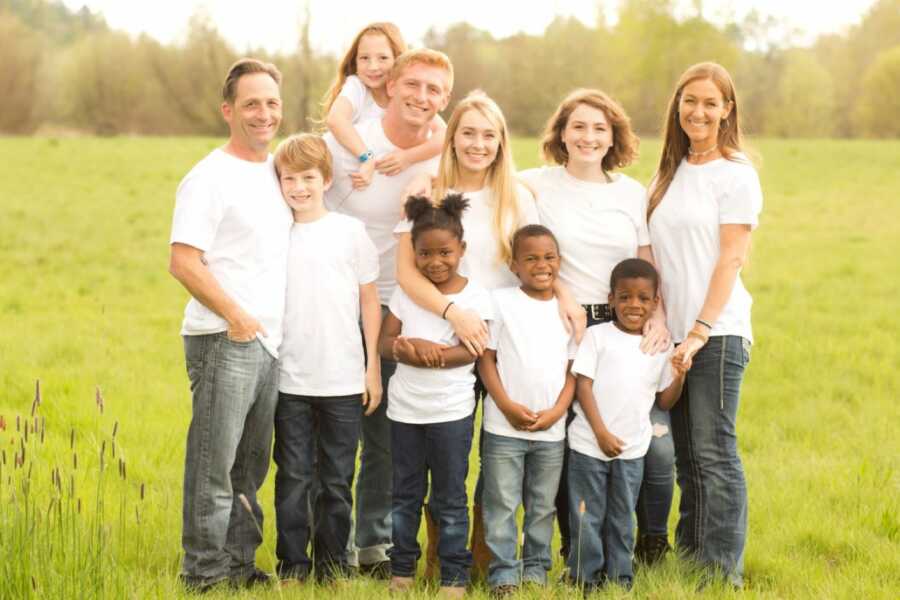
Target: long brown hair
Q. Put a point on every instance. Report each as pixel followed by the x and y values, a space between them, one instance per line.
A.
pixel 676 142
pixel 348 63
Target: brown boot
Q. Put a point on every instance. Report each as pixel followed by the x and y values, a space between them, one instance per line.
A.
pixel 432 562
pixel 481 554
pixel 651 549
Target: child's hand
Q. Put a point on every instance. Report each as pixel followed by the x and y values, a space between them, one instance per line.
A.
pixel 610 444
pixel 680 367
pixel 392 164
pixel 362 178
pixel 429 353
pixel 404 352
pixel 372 396
pixel 519 416
pixel 545 419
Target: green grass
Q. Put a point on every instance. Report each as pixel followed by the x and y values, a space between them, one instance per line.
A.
pixel 86 302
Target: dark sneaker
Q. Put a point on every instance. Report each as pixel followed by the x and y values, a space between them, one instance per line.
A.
pixel 255 579
pixel 651 549
pixel 380 570
pixel 502 591
pixel 200 586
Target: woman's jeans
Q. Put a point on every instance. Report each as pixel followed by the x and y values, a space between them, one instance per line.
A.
pixel 443 450
pixel 519 472
pixel 712 524
pixel 655 499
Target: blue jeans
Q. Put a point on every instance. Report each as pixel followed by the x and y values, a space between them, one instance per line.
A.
pixel 655 500
pixel 234 388
pixel 603 536
pixel 443 450
pixel 315 450
pixel 712 525
pixel 372 522
pixel 519 471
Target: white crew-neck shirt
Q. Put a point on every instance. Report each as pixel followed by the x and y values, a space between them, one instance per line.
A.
pixel 684 229
pixel 598 225
pixel 322 352
pixel 361 99
pixel 625 383
pixel 533 353
pixel 380 205
pixel 232 210
pixel 481 262
pixel 422 395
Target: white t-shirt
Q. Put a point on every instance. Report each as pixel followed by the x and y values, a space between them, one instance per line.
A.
pixel 232 210
pixel 480 262
pixel 421 395
pixel 533 352
pixel 361 99
pixel 598 225
pixel 684 229
pixel 322 352
pixel 380 204
pixel 625 385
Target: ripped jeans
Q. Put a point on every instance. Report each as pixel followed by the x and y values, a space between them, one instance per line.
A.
pixel 655 499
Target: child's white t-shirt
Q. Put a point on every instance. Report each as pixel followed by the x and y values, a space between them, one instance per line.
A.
pixel 480 262
pixel 625 385
pixel 533 352
pixel 684 229
pixel 232 210
pixel 322 353
pixel 598 225
pixel 422 395
pixel 361 99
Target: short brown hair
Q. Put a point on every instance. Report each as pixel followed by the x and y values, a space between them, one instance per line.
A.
pixel 246 66
pixel 303 151
pixel 423 56
pixel 625 143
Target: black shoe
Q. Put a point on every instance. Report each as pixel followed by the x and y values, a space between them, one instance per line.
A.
pixel 502 591
pixel 199 586
pixel 379 570
pixel 255 579
pixel 651 549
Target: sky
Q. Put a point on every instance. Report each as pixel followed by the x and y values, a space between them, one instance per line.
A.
pixel 273 24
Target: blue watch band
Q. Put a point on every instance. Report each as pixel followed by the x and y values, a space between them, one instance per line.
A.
pixel 365 156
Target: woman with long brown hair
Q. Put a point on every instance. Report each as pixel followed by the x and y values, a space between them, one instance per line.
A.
pixel 705 200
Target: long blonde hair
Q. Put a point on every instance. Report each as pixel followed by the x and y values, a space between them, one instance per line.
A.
pixel 347 66
pixel 500 182
pixel 676 142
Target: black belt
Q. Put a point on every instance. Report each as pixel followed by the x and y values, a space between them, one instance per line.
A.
pixel 598 312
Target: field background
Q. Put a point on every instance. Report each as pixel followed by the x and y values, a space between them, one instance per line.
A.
pixel 86 303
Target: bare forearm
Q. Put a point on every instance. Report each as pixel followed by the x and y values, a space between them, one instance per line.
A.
pixel 669 396
pixel 428 149
pixel 203 286
pixel 720 286
pixel 564 400
pixel 370 311
pixel 340 122
pixel 457 356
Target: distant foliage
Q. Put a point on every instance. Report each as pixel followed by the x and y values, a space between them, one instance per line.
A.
pixel 879 106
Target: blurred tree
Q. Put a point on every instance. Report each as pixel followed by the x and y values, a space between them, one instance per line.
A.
pixel 803 103
pixel 21 56
pixel 878 109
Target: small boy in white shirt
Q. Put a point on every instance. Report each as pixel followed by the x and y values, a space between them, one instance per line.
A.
pixel 526 373
pixel 325 379
pixel 616 388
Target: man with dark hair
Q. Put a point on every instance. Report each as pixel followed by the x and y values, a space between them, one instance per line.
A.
pixel 229 244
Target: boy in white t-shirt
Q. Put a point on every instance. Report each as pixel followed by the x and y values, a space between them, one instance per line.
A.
pixel 616 388
pixel 325 378
pixel 526 373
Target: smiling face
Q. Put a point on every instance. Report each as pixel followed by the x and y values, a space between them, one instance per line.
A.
pixel 374 59
pixel 304 191
pixel 536 264
pixel 475 142
pixel 438 252
pixel 418 93
pixel 254 116
pixel 634 299
pixel 701 109
pixel 587 136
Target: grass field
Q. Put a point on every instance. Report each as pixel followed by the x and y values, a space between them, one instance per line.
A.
pixel 87 308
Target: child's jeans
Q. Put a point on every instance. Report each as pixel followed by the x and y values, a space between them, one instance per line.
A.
pixel 519 471
pixel 315 450
pixel 443 450
pixel 603 535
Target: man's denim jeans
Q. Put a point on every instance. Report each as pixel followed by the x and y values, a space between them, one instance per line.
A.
pixel 602 536
pixel 441 449
pixel 315 450
pixel 520 472
pixel 712 525
pixel 235 388
pixel 657 488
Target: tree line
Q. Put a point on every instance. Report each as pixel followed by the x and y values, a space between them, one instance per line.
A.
pixel 64 70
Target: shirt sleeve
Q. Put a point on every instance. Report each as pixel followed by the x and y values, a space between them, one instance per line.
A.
pixel 404 226
pixel 527 207
pixel 198 212
pixel 495 326
pixel 741 202
pixel 366 257
pixel 643 232
pixel 395 304
pixel 354 91
pixel 587 356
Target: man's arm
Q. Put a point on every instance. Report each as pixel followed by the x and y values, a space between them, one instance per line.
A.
pixel 187 266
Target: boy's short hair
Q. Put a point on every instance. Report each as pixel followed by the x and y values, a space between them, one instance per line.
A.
pixel 246 66
pixel 531 231
pixel 303 151
pixel 423 56
pixel 634 268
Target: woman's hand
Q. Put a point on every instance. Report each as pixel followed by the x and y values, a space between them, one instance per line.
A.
pixel 686 350
pixel 656 336
pixel 573 316
pixel 372 396
pixel 469 328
